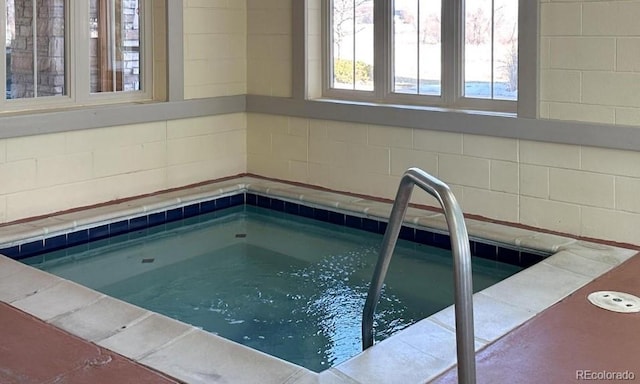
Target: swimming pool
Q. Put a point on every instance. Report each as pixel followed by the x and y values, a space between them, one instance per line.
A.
pixel 290 286
pixel 416 354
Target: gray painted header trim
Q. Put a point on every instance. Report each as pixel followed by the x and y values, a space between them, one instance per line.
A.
pixel 507 126
pixel 112 115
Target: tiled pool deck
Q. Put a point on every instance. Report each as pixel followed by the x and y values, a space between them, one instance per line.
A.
pixel 417 354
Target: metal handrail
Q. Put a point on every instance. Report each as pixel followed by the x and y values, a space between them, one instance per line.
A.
pixel 461 262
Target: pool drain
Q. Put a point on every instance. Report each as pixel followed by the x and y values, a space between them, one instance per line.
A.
pixel 615 301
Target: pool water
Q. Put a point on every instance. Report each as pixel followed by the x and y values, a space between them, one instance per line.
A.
pixel 285 285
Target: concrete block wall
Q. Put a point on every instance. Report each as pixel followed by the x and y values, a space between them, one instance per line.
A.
pixel 269 47
pixel 577 190
pixel 54 172
pixel 215 48
pixel 590 61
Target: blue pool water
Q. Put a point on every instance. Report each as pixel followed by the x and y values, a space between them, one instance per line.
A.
pixel 289 286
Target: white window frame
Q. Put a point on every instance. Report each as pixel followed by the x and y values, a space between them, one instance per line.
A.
pixel 452 63
pixel 77 64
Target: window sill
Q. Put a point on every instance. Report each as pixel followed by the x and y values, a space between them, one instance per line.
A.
pixel 414 107
pixel 34 122
pixel 503 125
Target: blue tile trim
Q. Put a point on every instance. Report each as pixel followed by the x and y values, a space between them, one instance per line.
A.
pixel 277 205
pixel 353 222
pixel 321 214
pixel 528 259
pixel 119 228
pixel 441 241
pixel 78 237
pixel 222 203
pixel 97 233
pixel 12 252
pixel 251 199
pixel 55 243
pixel 138 223
pixel 487 251
pixel 407 233
pixel 31 249
pixel 209 206
pixel 191 210
pixel 306 211
pixel 292 208
pixel 157 218
pixel 336 218
pixel 507 255
pixel 236 200
pixel 264 202
pixel 424 237
pixel 174 214
pixel 371 225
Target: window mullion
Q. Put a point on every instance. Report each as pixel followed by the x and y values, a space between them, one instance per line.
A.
pixel 452 51
pixel 528 66
pixel 327 45
pixel 3 61
pixel 34 46
pixel 493 48
pixel 383 68
pixel 80 44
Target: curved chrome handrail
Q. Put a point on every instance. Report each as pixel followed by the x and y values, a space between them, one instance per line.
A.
pixel 461 263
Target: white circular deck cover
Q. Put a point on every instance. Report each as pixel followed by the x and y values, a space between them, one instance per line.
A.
pixel 615 301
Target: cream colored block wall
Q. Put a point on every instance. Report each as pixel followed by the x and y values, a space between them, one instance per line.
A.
pixel 582 191
pixel 269 55
pixel 589 61
pixel 589 70
pixel 54 172
pixel 215 48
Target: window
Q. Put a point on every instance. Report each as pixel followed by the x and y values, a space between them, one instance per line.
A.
pixel 115 45
pixel 454 54
pixel 62 52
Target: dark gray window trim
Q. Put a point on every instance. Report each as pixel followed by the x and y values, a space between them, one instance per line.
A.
pixel 476 123
pixel 113 115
